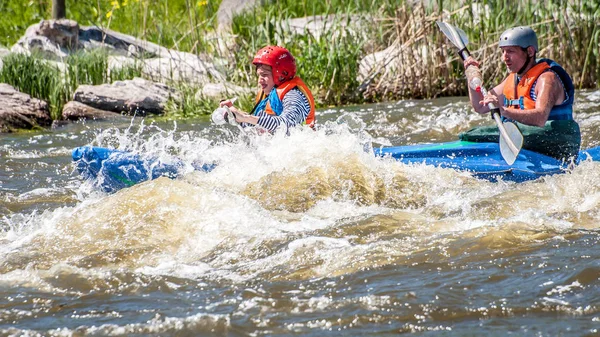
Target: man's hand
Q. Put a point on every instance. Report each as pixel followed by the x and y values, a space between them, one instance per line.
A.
pixel 470 61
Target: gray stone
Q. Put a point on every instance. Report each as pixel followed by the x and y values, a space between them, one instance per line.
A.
pixel 77 111
pixel 222 91
pixel 230 8
pixel 182 67
pixel 21 111
pixel 333 23
pixel 133 97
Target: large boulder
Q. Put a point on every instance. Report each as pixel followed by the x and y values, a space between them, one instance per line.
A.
pixel 182 67
pixel 222 90
pixel 74 111
pixel 56 39
pixel 133 97
pixel 335 24
pixel 21 111
pixel 230 8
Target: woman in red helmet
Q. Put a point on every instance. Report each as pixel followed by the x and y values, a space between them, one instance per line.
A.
pixel 283 100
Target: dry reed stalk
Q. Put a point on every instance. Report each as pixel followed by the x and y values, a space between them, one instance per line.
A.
pixel 409 65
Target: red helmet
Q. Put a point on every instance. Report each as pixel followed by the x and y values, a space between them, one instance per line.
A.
pixel 280 59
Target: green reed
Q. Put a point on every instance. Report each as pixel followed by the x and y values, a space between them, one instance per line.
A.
pixel 34 76
pixel 423 65
pixel 327 60
pixel 43 79
pixel 194 104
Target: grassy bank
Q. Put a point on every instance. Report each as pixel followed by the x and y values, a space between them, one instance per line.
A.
pixel 56 83
pixel 422 65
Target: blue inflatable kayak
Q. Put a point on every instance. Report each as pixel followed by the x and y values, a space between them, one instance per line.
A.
pixel 111 170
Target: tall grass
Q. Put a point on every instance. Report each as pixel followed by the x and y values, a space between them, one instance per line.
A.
pixel 421 63
pixel 56 84
pixel 178 24
pixel 36 77
pixel 326 60
pixel 566 30
pixel 17 16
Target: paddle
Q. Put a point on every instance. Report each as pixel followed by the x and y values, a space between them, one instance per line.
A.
pixel 511 139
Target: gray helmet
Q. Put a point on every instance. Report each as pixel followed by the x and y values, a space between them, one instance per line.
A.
pixel 522 36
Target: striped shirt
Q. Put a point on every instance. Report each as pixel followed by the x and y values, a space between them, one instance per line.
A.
pixel 296 108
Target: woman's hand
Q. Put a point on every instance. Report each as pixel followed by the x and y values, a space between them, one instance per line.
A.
pixel 229 104
pixel 226 102
pixel 239 115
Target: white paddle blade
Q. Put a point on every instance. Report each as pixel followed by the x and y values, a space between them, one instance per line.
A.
pixel 510 151
pixel 456 35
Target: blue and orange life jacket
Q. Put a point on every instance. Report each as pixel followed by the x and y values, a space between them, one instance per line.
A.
pixel 519 96
pixel 272 104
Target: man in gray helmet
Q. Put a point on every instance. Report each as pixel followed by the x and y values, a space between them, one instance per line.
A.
pixel 537 94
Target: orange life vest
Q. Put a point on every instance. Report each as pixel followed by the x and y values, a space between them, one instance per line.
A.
pixel 283 89
pixel 520 96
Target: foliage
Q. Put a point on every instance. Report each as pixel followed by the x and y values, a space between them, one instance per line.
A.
pixel 43 79
pixel 34 76
pixel 16 17
pixel 178 24
pixel 420 62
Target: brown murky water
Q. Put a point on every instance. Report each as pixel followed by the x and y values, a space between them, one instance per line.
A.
pixel 300 235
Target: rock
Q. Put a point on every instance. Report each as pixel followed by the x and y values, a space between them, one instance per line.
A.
pixel 117 63
pixel 118 43
pixel 64 33
pixel 134 97
pixel 222 91
pixel 224 44
pixel 392 69
pixel 184 67
pixel 230 8
pixel 77 111
pixel 21 111
pixel 333 23
pixel 3 52
pixel 54 39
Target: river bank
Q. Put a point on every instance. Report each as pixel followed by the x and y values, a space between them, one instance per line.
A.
pixel 366 51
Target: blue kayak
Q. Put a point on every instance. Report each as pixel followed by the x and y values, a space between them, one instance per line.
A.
pixel 483 160
pixel 111 170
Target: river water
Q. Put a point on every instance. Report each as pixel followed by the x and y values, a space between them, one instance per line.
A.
pixel 302 235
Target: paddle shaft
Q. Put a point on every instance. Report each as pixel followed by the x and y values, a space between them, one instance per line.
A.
pixel 455 37
pixel 494 110
pixel 496 115
pixel 508 140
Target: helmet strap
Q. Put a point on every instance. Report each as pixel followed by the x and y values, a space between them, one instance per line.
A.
pixel 529 58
